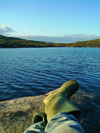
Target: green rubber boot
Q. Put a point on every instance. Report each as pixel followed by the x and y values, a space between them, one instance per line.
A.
pixel 60 101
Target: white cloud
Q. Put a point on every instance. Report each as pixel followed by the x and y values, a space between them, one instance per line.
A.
pixel 5 30
pixel 61 39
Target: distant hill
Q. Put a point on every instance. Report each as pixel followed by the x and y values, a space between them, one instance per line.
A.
pixel 12 42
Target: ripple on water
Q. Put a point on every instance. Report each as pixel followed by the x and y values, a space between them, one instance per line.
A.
pixel 30 72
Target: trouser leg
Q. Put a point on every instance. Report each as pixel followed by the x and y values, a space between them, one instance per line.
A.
pixel 36 128
pixel 64 123
pixel 39 124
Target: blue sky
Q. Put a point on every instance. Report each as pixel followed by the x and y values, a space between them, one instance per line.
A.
pixel 51 20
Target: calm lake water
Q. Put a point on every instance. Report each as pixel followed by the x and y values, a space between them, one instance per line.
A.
pixel 35 71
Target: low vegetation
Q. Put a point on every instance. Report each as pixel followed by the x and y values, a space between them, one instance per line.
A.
pixel 12 42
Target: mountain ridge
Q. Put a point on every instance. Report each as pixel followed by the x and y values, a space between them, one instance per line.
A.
pixel 13 42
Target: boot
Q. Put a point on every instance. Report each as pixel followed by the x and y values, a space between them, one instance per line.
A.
pixel 60 101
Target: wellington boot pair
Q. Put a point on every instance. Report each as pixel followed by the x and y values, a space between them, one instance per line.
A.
pixel 60 101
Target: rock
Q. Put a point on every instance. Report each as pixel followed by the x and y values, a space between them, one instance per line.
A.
pixel 16 115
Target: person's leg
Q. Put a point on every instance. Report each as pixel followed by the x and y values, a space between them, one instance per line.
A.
pixel 64 123
pixel 39 124
pixel 62 115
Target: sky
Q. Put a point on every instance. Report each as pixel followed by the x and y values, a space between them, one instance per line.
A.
pixel 63 21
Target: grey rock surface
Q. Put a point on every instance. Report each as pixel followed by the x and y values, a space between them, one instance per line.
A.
pixel 17 114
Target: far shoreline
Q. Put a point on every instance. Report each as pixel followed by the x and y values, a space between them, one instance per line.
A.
pixel 12 42
pixel 43 47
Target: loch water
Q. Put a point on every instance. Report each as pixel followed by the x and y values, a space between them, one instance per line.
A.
pixel 35 71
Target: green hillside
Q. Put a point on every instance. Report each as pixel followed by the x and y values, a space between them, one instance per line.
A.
pixel 12 42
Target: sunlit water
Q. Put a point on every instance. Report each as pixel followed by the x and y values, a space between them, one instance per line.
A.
pixel 35 71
